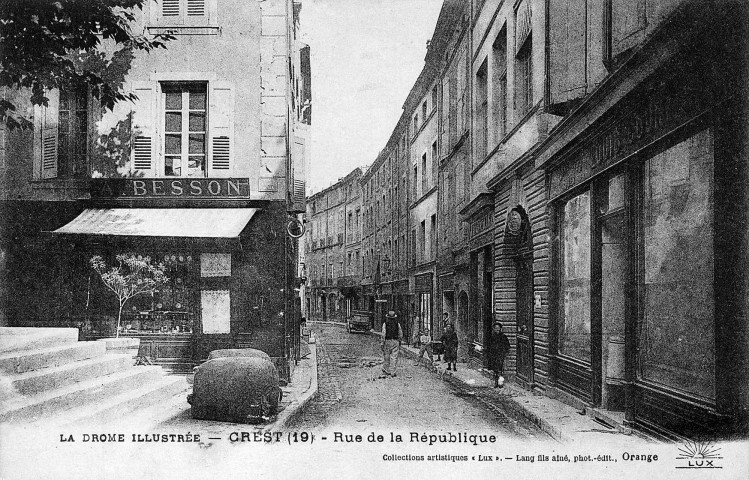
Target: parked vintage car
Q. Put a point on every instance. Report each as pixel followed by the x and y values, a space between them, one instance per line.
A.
pixel 360 320
pixel 235 385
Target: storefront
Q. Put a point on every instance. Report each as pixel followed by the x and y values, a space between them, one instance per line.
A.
pixel 223 289
pixel 424 319
pixel 480 217
pixel 644 271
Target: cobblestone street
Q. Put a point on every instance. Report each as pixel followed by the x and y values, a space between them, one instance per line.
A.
pixel 350 394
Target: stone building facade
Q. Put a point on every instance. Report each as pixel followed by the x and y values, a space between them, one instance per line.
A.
pixel 202 173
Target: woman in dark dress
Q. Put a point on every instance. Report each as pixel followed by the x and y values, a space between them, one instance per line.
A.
pixel 450 344
pixel 499 345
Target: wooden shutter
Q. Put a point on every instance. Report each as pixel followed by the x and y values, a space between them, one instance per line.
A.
pixel 567 34
pixel 170 9
pixel 143 129
pixel 221 128
pixel 50 122
pixel 195 8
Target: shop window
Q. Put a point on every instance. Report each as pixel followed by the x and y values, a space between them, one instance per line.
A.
pixel 677 341
pixel 184 130
pixel 425 313
pixel 573 325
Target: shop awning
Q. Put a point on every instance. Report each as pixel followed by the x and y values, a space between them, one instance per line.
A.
pixel 161 222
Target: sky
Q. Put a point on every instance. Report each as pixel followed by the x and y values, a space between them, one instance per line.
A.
pixel 365 56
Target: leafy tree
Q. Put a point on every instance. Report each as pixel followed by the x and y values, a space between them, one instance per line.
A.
pixel 132 276
pixel 47 44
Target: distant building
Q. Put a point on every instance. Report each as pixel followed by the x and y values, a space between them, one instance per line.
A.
pixel 333 258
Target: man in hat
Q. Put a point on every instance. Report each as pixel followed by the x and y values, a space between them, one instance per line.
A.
pixel 392 336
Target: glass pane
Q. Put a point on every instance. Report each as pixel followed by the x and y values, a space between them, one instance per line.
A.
pixel 81 121
pixel 197 122
pixel 173 143
pixel 197 143
pixel 574 316
pixel 174 100
pixel 81 100
pixel 677 342
pixel 173 122
pixel 64 100
pixel 64 121
pixel 172 166
pixel 197 100
pixel 196 166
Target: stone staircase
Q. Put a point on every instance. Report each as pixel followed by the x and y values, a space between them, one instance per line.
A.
pixel 48 377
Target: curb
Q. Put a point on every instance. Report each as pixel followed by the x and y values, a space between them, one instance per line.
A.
pixel 293 411
pixel 511 403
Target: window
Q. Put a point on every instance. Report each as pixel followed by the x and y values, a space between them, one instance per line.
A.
pixel 72 133
pixel 435 97
pixel 415 183
pixel 433 237
pixel 677 342
pixel 416 123
pixel 524 76
pixel 413 247
pixel 424 185
pixel 482 120
pixel 573 325
pixel 424 110
pixel 499 86
pixel 523 59
pixel 62 149
pixel 185 129
pixel 422 240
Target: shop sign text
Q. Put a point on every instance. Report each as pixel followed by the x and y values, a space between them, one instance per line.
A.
pixel 216 188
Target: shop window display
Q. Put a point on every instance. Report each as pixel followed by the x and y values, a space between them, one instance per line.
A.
pixel 172 309
pixel 573 326
pixel 677 341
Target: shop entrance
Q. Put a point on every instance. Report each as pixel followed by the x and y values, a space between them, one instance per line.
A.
pixel 519 233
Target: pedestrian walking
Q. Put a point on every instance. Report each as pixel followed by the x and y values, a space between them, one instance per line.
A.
pixel 392 336
pixel 499 345
pixel 450 344
pixel 425 345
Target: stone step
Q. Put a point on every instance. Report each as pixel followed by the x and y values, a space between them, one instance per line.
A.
pixel 28 338
pixel 20 409
pixel 36 359
pixel 50 378
pixel 126 409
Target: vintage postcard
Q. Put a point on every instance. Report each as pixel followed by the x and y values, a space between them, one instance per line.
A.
pixel 374 239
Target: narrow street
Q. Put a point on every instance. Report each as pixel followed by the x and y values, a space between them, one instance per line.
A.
pixel 350 394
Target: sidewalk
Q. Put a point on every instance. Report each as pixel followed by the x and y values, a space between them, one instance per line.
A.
pixel 562 422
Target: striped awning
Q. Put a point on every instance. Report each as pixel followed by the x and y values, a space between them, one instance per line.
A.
pixel 160 222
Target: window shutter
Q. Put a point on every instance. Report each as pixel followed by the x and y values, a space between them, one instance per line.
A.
pixel 170 9
pixel 221 127
pixel 195 8
pixel 143 129
pixel 567 33
pixel 50 122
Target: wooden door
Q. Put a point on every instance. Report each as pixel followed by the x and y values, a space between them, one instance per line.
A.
pixel 524 316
